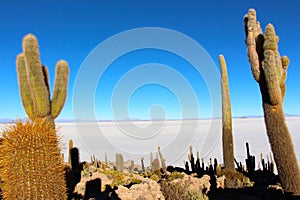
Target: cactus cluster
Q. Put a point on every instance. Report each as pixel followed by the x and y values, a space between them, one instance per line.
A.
pixel 198 167
pixel 158 164
pixel 269 69
pixel 195 167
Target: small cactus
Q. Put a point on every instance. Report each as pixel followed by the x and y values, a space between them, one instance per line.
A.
pixel 192 160
pixel 70 148
pixel 250 162
pixel 143 165
pixel 106 160
pixel 162 160
pixel 151 159
pixel 119 162
pixel 73 171
pixel 155 166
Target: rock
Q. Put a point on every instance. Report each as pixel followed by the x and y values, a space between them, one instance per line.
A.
pixel 147 190
pixel 221 182
pixel 194 184
pixel 80 187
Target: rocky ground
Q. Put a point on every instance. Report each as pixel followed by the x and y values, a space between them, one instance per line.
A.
pixel 99 181
pixel 104 182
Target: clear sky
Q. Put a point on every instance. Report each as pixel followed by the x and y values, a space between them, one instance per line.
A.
pixel 70 30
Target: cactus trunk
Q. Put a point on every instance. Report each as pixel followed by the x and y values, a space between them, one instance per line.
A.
pixel 282 148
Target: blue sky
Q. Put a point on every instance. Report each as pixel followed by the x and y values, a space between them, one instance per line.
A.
pixel 70 30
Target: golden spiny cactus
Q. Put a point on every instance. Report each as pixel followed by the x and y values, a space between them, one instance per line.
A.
pixel 30 164
pixel 269 70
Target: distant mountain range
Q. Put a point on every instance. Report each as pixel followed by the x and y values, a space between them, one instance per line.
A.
pixel 7 120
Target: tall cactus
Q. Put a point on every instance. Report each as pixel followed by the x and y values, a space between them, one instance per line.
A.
pixel 34 82
pixel 269 70
pixel 227 138
pixel 30 165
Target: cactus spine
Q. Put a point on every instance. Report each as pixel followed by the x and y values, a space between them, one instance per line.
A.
pixel 227 138
pixel 34 82
pixel 269 70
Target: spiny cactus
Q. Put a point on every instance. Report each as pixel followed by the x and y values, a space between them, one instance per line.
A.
pixel 269 70
pixel 227 138
pixel 33 148
pixel 30 164
pixel 34 82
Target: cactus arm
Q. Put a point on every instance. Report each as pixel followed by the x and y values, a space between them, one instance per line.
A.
pixel 39 89
pixel 60 88
pixel 274 94
pixel 272 66
pixel 227 137
pixel 25 91
pixel 285 63
pixel 251 26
